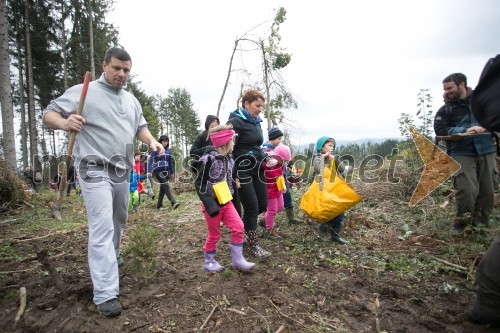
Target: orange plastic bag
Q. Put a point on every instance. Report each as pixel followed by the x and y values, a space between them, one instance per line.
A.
pixel 334 197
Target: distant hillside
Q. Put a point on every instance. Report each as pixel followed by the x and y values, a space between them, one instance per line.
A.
pixel 301 148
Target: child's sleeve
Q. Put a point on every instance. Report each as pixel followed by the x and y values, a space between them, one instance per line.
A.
pixel 201 187
pixel 318 163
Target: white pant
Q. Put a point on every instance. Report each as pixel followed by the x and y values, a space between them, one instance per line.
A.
pixel 106 203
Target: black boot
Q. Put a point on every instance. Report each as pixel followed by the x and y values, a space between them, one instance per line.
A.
pixel 255 249
pixel 337 238
pixel 460 223
pixel 323 232
pixel 290 216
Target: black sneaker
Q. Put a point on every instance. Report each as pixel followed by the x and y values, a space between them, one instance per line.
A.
pixel 175 205
pixel 110 308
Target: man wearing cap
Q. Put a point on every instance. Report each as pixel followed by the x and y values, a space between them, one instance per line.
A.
pixel 275 136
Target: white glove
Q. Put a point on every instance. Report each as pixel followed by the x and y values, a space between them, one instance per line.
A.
pixel 271 162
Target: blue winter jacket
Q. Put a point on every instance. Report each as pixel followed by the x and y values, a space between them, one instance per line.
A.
pixel 161 162
pixel 456 117
pixel 134 180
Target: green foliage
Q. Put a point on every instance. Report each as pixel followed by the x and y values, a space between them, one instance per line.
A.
pixel 148 104
pixel 182 120
pixel 142 248
pixel 424 115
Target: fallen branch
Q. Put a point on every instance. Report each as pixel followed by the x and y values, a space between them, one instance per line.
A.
pixel 22 306
pixel 28 204
pixel 290 318
pixel 268 329
pixel 450 264
pixel 209 316
pixel 281 329
pixel 139 326
pixel 7 221
pixel 236 311
pixel 19 271
pixel 48 235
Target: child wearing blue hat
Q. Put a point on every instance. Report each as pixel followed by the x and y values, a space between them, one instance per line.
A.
pixel 324 155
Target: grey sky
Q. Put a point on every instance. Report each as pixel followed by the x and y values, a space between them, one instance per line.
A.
pixel 356 66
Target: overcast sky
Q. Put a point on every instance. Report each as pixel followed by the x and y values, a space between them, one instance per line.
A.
pixel 356 65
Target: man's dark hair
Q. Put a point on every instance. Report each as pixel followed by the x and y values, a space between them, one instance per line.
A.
pixel 118 53
pixel 457 78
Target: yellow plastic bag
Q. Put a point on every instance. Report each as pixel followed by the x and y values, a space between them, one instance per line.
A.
pixel 222 192
pixel 280 181
pixel 333 199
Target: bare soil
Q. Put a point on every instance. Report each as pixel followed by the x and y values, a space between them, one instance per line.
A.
pixel 390 278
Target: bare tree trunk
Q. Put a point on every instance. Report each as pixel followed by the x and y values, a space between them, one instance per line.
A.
pixel 91 33
pixel 24 132
pixel 266 82
pixel 54 150
pixel 228 75
pixel 64 45
pixel 9 143
pixel 31 92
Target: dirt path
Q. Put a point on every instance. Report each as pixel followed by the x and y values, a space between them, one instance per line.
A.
pixel 385 280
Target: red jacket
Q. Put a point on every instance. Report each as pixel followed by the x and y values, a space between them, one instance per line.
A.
pixel 272 174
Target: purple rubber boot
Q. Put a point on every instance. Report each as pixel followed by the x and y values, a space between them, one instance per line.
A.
pixel 238 261
pixel 210 264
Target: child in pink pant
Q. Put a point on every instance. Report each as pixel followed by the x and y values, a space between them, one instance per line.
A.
pixel 215 167
pixel 273 169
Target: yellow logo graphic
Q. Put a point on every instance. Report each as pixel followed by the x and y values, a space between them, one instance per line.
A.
pixel 439 166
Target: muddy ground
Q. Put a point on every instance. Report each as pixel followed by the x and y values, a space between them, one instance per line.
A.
pixel 402 272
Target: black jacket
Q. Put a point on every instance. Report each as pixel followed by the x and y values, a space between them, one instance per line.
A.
pixel 249 139
pixel 202 140
pixel 456 117
pixel 212 207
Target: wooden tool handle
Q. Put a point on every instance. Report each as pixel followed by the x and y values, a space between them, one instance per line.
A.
pixel 79 110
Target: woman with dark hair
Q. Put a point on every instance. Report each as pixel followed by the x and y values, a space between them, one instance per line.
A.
pixel 163 168
pixel 248 159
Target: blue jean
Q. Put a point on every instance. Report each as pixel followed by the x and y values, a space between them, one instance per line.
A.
pixel 287 197
pixel 335 224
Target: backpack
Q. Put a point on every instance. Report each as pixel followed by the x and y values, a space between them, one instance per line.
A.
pixel 485 100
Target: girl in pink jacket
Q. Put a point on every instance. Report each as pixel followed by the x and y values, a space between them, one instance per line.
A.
pixel 273 171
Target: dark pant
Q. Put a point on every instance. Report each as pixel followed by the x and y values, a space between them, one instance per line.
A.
pixel 162 177
pixel 334 224
pixel 70 185
pixel 474 185
pixel 287 197
pixel 253 197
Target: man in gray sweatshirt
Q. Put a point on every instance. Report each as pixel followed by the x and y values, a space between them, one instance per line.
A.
pixel 103 153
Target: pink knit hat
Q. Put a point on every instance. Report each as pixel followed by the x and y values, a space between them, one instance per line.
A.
pixel 283 152
pixel 222 137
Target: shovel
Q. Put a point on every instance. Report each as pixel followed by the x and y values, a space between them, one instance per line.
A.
pixel 56 206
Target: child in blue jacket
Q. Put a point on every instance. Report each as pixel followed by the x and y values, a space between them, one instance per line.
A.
pixel 133 202
pixel 162 167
